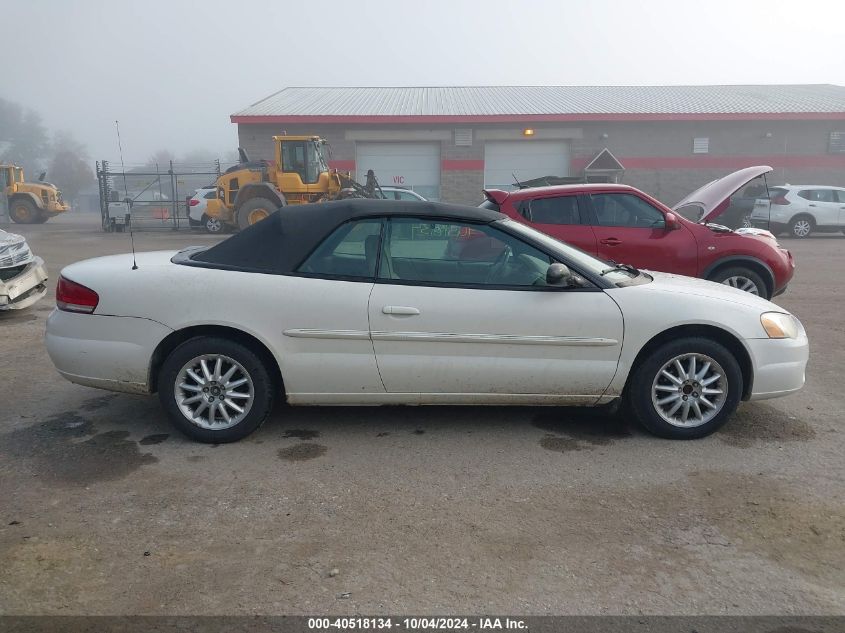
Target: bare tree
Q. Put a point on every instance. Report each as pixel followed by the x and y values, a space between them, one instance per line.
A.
pixel 69 167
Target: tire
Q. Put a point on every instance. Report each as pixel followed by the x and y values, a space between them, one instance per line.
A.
pixel 212 225
pixel 42 218
pixel 742 278
pixel 256 406
pixel 648 379
pixel 23 211
pixel 801 226
pixel 255 210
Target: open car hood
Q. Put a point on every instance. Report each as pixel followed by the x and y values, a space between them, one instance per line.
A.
pixel 714 197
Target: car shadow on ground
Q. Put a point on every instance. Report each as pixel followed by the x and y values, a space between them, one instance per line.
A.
pixel 109 436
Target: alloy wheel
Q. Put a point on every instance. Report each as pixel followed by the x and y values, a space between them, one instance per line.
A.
pixel 742 283
pixel 213 225
pixel 214 392
pixel 801 228
pixel 689 390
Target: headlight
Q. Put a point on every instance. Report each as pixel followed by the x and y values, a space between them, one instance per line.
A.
pixel 779 325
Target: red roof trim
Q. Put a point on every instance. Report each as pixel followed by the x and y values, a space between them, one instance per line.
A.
pixel 833 161
pixel 536 118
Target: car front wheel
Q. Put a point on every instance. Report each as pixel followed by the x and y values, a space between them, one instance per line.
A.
pixel 686 388
pixel 215 390
pixel 742 278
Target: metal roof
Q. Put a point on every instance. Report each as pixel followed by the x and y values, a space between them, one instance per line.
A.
pixel 505 101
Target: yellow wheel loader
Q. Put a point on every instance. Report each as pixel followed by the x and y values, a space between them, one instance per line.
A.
pixel 30 202
pixel 251 190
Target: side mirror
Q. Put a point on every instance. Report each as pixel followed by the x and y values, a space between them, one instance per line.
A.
pixel 672 222
pixel 558 275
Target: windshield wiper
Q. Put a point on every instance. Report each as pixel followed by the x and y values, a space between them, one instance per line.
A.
pixel 625 267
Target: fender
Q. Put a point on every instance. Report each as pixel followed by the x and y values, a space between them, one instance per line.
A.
pixel 38 202
pixel 259 190
pixel 730 260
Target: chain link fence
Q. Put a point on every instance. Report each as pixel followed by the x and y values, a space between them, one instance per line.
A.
pixel 150 197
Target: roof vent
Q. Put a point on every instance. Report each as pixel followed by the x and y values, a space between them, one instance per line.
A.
pixel 701 145
pixel 463 137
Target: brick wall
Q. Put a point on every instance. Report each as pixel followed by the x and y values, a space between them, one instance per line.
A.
pixel 661 141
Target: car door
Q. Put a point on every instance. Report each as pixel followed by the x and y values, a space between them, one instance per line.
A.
pixel 327 353
pixel 822 204
pixel 630 230
pixel 562 217
pixel 840 198
pixel 465 320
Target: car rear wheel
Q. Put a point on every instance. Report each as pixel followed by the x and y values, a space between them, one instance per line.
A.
pixel 685 389
pixel 743 279
pixel 215 390
pixel 801 226
pixel 212 225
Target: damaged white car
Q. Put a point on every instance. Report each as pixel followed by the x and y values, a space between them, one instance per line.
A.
pixel 23 276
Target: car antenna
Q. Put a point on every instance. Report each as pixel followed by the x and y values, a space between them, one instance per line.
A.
pixel 518 184
pixel 126 194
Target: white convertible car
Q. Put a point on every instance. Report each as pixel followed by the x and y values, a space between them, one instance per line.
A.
pixel 364 302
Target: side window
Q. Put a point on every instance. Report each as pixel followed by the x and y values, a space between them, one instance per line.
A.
pixel 840 195
pixel 456 253
pixel 402 195
pixel 817 195
pixel 351 251
pixel 211 195
pixel 560 210
pixel 625 209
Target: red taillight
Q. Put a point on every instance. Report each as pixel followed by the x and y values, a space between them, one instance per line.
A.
pixel 780 200
pixel 74 297
pixel 194 202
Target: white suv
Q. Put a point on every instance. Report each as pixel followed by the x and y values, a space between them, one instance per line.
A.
pixel 801 210
pixel 196 210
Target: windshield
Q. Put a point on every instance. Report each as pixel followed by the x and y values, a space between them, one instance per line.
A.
pixel 584 261
pixel 316 162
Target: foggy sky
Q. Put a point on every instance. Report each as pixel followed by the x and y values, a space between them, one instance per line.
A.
pixel 173 71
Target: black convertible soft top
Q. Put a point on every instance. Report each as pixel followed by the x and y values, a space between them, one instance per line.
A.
pixel 283 241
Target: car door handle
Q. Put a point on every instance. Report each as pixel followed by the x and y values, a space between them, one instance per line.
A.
pixel 811 205
pixel 406 310
pixel 612 241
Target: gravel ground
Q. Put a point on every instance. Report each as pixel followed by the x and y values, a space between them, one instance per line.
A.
pixel 107 510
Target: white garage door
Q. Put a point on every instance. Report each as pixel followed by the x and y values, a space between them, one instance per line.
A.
pixel 412 165
pixel 524 159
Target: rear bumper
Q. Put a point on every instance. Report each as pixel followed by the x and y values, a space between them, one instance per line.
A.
pixel 106 352
pixel 779 366
pixel 25 288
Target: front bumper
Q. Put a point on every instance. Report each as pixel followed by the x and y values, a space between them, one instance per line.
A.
pixel 779 366
pixel 55 208
pixel 107 352
pixel 25 288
